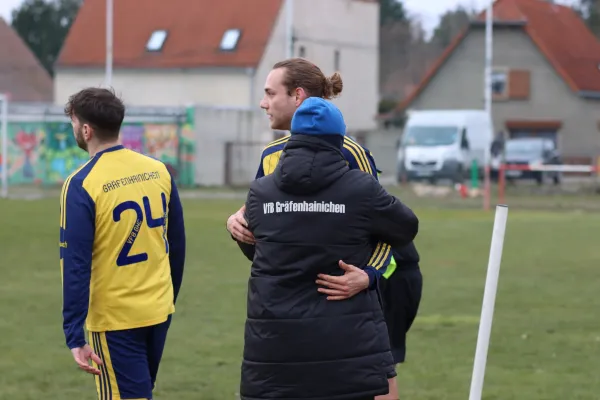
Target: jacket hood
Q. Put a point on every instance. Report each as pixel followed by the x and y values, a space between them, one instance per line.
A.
pixel 309 164
pixel 317 116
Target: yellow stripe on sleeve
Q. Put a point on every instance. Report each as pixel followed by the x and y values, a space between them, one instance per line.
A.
pixel 63 203
pixel 361 166
pixel 360 155
pixel 379 262
pixel 375 254
pixel 277 141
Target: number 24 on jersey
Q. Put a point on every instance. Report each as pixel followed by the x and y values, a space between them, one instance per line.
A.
pixel 124 257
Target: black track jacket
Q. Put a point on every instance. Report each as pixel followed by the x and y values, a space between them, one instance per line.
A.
pixel 310 213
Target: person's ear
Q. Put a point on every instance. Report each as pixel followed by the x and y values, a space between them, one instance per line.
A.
pixel 86 131
pixel 300 95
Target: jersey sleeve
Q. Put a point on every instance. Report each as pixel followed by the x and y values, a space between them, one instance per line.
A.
pixel 371 160
pixel 386 256
pixel 77 229
pixel 261 172
pixel 176 239
pixel 248 249
pixel 360 158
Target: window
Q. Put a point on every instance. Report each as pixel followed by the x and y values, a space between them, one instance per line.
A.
pixel 336 60
pixel 511 84
pixel 230 39
pixel 499 84
pixel 430 136
pixel 301 52
pixel 156 41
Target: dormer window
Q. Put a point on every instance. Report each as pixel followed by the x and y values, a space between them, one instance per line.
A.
pixel 157 40
pixel 230 39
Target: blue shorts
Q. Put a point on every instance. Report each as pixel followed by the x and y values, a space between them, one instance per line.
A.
pixel 131 358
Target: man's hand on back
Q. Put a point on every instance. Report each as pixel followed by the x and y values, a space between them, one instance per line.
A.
pixel 238 227
pixel 354 281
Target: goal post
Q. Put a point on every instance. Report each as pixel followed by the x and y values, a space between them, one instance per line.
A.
pixel 4 144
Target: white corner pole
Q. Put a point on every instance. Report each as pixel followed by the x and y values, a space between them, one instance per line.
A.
pixel 489 298
pixel 4 116
pixel 289 28
pixel 487 93
pixel 109 43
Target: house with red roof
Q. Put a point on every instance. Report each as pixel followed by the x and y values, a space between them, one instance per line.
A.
pixel 22 76
pixel 218 53
pixel 545 80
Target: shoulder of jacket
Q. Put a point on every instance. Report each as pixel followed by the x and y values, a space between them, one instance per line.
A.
pixel 360 175
pixel 359 181
pixel 259 184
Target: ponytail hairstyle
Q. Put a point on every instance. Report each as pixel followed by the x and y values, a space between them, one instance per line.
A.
pixel 301 73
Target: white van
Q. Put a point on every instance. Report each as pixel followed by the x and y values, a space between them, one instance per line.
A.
pixel 442 144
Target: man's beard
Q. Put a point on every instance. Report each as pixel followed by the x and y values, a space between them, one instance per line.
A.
pixel 80 140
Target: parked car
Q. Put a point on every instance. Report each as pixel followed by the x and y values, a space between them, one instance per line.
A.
pixel 442 144
pixel 530 151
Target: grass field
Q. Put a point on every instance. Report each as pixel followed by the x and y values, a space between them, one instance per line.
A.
pixel 544 345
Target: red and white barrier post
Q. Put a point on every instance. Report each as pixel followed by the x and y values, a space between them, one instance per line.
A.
pixel 540 168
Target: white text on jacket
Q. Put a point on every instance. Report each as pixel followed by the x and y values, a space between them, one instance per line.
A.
pixel 305 206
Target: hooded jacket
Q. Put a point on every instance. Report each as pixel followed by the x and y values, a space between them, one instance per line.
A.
pixel 310 213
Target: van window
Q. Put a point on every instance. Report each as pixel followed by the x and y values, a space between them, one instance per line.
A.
pixel 430 136
pixel 520 147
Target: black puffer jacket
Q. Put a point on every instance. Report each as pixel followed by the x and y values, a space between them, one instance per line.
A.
pixel 310 213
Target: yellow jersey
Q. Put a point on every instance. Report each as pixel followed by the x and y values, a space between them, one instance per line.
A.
pixel 122 244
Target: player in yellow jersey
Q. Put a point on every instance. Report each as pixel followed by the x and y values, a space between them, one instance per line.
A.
pixel 288 84
pixel 122 252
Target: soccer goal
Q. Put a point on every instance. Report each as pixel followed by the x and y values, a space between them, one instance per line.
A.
pixel 4 144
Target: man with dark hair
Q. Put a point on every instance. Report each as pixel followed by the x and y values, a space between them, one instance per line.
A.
pixel 101 110
pixel 315 216
pixel 122 252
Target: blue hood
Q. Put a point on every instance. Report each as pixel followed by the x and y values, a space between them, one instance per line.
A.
pixel 317 116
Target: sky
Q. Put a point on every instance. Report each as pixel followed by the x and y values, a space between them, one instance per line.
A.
pixel 6 6
pixel 428 11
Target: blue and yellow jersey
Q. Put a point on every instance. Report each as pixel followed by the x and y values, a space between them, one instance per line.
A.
pixel 357 157
pixel 122 244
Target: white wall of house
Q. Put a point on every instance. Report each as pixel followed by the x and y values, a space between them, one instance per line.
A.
pixel 207 86
pixel 322 27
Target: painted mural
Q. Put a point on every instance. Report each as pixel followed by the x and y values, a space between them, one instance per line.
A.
pixel 45 153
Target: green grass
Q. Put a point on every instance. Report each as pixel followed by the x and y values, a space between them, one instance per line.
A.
pixel 545 336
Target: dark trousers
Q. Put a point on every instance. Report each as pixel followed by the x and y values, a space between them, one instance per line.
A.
pixel 401 296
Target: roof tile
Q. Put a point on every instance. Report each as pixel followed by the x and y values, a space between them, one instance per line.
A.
pixel 195 29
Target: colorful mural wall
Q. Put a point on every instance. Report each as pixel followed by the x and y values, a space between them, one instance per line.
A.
pixel 45 153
